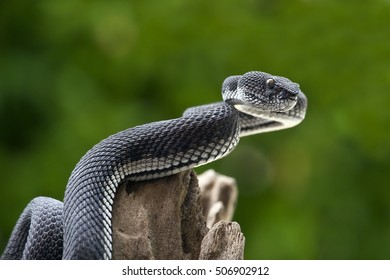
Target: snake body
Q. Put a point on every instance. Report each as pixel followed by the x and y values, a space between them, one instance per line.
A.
pixel 80 227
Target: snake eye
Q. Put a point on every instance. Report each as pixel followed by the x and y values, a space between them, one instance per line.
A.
pixel 270 83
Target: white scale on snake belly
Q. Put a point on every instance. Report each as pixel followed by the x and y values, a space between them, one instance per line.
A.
pixel 106 207
pixel 107 244
pixel 165 166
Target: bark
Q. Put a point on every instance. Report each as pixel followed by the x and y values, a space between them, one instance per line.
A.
pixel 163 219
pixel 224 241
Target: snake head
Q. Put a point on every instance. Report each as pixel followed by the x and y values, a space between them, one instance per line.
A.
pixel 267 92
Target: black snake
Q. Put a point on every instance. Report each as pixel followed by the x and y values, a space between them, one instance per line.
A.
pixel 80 227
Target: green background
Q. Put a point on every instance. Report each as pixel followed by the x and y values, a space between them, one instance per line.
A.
pixel 74 72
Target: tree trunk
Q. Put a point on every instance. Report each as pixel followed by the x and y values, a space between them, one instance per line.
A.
pixel 166 218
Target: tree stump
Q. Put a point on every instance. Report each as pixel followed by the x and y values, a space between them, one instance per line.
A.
pixel 166 218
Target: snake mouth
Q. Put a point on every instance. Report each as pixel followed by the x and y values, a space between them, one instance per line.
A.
pixel 283 94
pixel 285 100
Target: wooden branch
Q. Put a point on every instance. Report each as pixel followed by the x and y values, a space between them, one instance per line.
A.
pixel 224 241
pixel 219 196
pixel 163 219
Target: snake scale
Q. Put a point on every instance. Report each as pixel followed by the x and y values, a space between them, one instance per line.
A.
pixel 80 227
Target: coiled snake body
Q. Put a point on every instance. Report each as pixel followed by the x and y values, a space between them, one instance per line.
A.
pixel 80 228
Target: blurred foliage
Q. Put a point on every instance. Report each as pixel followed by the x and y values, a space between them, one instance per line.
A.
pixel 74 72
